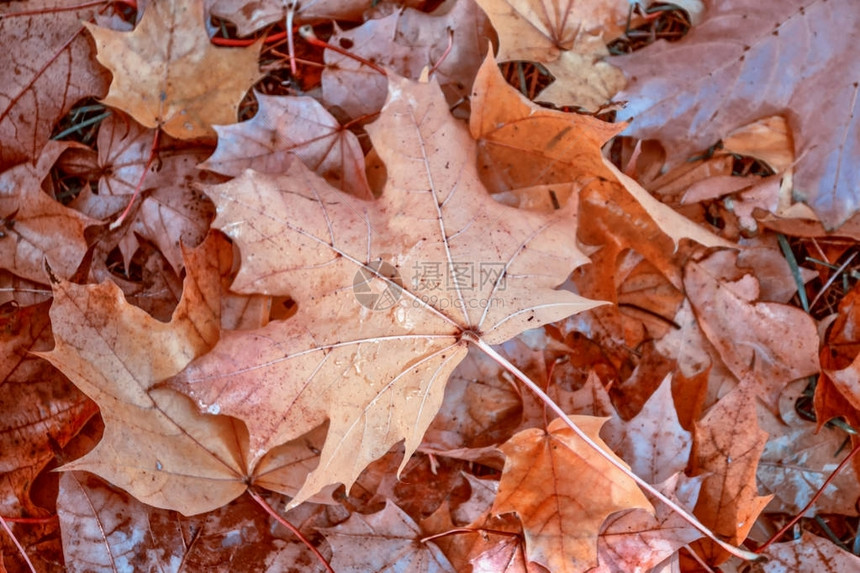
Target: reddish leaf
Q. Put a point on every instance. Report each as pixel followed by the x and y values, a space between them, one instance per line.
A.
pixel 48 67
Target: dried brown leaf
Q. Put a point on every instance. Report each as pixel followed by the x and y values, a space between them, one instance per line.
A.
pixel 749 60
pixel 390 343
pixel 560 523
pixel 291 126
pixel 48 66
pixel 167 74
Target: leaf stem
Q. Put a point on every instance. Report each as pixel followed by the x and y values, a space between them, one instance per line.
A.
pixel 270 510
pixel 690 518
pixel 17 544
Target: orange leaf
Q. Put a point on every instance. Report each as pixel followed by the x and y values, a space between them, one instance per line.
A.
pixel 167 74
pixel 727 446
pixel 563 491
pixel 521 144
pixel 156 445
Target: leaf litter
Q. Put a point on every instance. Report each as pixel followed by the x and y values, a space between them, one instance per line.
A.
pixel 304 359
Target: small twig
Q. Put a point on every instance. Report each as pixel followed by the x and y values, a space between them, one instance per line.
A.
pixel 619 465
pixel 469 530
pixel 17 543
pixel 795 270
pixel 119 221
pixel 812 501
pixel 307 33
pixel 291 48
pixel 262 502
pixel 832 278
pixel 444 54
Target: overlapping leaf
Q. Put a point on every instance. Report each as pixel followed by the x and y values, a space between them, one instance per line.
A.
pixel 284 127
pixel 448 263
pixel 48 66
pixel 34 227
pixel 748 60
pixel 545 476
pixel 568 37
pixel 167 74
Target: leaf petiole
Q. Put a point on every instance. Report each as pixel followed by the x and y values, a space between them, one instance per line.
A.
pixel 690 518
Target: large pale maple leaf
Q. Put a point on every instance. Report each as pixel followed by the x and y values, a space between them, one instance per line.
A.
pixel 167 74
pixel 748 60
pixel 390 293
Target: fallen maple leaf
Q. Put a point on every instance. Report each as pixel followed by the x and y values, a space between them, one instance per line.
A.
pixel 808 553
pixel 797 459
pixel 105 529
pixel 167 75
pixel 40 406
pixel 635 541
pixel 567 37
pixel 772 343
pixel 727 445
pixel 521 144
pixel 156 446
pixel 388 540
pixel 34 227
pixel 545 476
pixel 284 127
pixel 744 62
pixel 172 212
pixel 653 442
pixel 368 350
pixel 406 42
pixel 47 68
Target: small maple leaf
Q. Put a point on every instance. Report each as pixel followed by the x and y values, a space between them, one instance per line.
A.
pixel 388 540
pixel 167 74
pixel 521 144
pixel 376 367
pixel 34 227
pixel 545 477
pixel 284 127
pixel 727 446
pixel 452 40
pixel 567 37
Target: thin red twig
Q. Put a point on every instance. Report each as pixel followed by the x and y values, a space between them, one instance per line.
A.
pixel 262 502
pixel 445 53
pixel 243 42
pixel 815 497
pixel 29 519
pixel 116 224
pixel 307 33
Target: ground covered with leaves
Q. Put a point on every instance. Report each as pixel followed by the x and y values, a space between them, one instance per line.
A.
pixel 472 285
